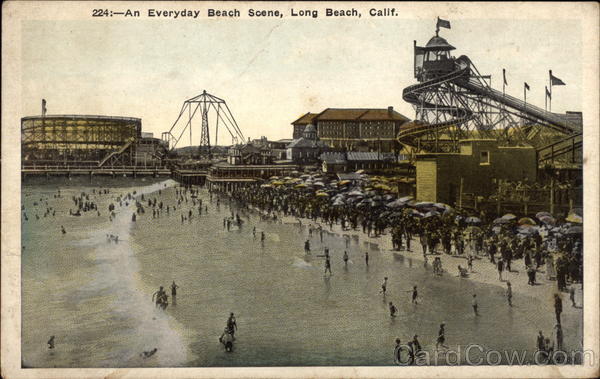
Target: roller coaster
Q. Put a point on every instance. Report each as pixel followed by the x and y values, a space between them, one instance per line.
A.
pixel 453 101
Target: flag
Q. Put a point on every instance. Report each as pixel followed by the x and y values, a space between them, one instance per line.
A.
pixel 504 76
pixel 527 86
pixel 443 24
pixel 548 94
pixel 43 107
pixel 554 81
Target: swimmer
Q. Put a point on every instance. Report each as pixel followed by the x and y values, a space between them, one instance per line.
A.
pixel 148 354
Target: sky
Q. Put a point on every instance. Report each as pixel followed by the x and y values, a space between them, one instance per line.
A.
pixel 271 71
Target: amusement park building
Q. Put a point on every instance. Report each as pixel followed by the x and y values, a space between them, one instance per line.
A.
pixel 87 140
pixel 479 164
pixel 81 138
pixel 350 128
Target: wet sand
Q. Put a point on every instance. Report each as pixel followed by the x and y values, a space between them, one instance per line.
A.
pixel 96 297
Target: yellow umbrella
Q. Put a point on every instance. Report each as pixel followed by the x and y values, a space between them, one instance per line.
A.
pixel 344 182
pixel 322 194
pixel 277 183
pixel 301 185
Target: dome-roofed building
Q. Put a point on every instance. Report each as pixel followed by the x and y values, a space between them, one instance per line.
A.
pixel 307 148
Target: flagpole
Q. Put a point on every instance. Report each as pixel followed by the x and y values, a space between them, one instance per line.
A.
pixel 550 79
pixel 546 98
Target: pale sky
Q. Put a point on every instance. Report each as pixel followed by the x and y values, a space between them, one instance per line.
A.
pixel 271 71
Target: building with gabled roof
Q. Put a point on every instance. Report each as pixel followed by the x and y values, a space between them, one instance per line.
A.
pixel 366 129
pixel 301 123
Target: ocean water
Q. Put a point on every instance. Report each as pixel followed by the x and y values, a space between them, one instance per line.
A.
pixel 94 296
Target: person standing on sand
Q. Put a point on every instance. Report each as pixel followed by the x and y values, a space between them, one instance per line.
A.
pixel 572 295
pixel 384 286
pixel 327 265
pixel 557 307
pixel 500 266
pixel 345 258
pixel 474 304
pixel 441 336
pixel 367 258
pixel 509 293
pixel 393 309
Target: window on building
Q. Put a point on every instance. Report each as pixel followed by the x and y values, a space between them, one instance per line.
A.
pixel 484 157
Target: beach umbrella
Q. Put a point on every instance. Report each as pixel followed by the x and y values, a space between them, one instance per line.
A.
pixel 424 204
pixel 305 176
pixel 441 206
pixel 277 183
pixel 539 215
pixel 526 221
pixel 274 177
pixel 360 171
pixel 355 193
pixel 320 184
pixel 527 229
pixel 322 194
pixel 266 186
pixel 548 220
pixel 431 214
pixel 416 213
pixel 343 182
pixel 301 185
pixel 575 218
pixel 388 197
pixel 574 230
pixel 405 199
pixel 338 202
pixel 395 204
pixel 473 220
pixel 500 220
pixel 509 216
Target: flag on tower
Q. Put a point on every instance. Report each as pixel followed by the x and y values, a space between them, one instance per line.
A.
pixel 548 94
pixel 554 81
pixel 504 76
pixel 443 23
pixel 44 107
pixel 527 86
